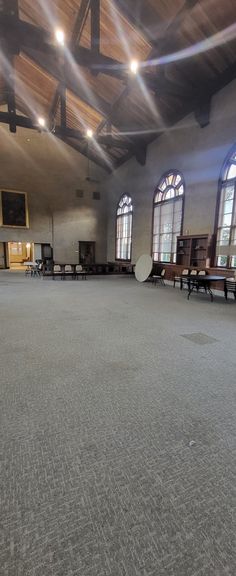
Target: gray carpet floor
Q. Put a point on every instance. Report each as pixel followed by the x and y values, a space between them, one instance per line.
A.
pixel 118 429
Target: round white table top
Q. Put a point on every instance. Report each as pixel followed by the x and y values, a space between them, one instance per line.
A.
pixel 143 267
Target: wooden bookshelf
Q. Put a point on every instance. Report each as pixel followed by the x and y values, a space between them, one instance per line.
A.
pixel 192 251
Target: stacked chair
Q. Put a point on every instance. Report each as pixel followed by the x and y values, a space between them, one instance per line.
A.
pixel 230 286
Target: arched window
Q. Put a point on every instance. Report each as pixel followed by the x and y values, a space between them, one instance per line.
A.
pixel 124 228
pixel 226 233
pixel 167 219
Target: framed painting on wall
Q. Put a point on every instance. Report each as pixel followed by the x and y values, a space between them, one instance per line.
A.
pixel 14 209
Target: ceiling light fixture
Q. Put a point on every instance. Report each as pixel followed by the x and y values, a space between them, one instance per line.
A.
pixel 134 66
pixel 89 133
pixel 60 36
pixel 41 122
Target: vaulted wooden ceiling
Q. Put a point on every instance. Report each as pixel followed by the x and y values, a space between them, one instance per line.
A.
pixel 186 50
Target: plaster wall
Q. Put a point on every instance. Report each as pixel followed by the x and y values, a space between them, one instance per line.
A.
pixel 196 152
pixel 51 172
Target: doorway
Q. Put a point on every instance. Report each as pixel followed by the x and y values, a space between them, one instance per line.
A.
pixel 86 253
pixel 2 255
pixel 20 252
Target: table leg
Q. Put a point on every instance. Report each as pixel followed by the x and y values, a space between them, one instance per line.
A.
pixel 190 289
pixel 210 292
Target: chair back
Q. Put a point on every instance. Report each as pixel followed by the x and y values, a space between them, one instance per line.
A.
pixel 163 273
pixel 202 273
pixel 78 268
pixel 185 272
pixel 56 268
pixel 39 267
pixel 68 268
pixel 193 273
pixel 231 283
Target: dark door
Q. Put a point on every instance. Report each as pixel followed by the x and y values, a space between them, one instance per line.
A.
pixel 46 252
pixel 87 253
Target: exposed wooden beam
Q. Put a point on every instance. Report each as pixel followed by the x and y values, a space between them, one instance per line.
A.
pixel 39 47
pixel 142 17
pixel 124 159
pixel 223 79
pixel 200 103
pixel 95 26
pixel 32 37
pixel 140 152
pixel 11 101
pixel 113 106
pixel 25 122
pixel 28 36
pixel 54 104
pixel 8 75
pixel 63 107
pixel 158 82
pixel 50 64
pixel 47 56
pixel 9 7
pixel 76 34
pixel 80 22
pixel 99 63
pixel 21 121
pixel 161 85
pixel 19 33
pixel 138 13
pixel 167 42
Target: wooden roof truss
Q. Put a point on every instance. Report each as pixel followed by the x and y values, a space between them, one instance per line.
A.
pixel 88 85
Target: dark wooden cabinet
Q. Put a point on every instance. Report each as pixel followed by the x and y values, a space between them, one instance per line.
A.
pixel 192 251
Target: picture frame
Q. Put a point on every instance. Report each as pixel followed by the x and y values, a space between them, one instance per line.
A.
pixel 13 209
